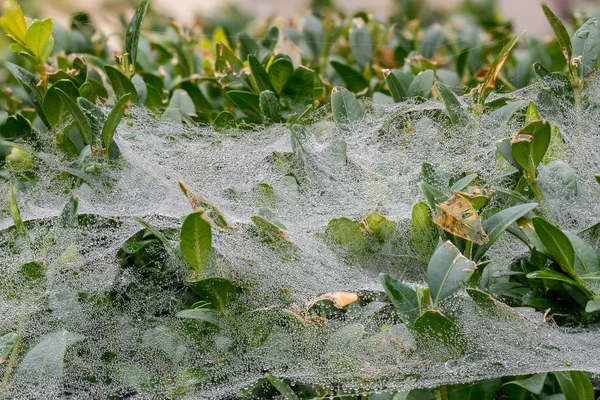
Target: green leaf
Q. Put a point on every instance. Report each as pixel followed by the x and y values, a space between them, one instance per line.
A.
pixel 421 85
pixel 557 243
pixel 94 115
pixel 533 384
pixel 398 82
pixel 585 45
pixel 490 80
pixel 39 40
pixel 226 60
pixel 505 150
pixel 247 102
pixel 29 82
pixel 132 35
pixel 447 272
pixel 353 79
pixel 299 88
pixel 575 385
pixel 361 44
pixel 216 290
pixel 530 145
pixel 113 119
pixel 587 260
pixel 423 232
pixel 403 297
pixel 454 108
pixel 68 216
pixel 201 314
pixel 7 344
pixel 432 38
pixel 196 240
pixel 462 183
pixel 259 76
pixel 44 363
pixel 560 32
pixel 181 100
pixel 269 107
pixel 498 223
pixel 13 20
pixel 345 106
pixel 57 112
pixel 85 130
pixel 483 390
pixel 224 120
pixel 120 83
pixel 439 337
pixel 283 388
pixel 279 73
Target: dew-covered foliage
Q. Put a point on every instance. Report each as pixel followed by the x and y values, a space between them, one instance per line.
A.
pixel 186 224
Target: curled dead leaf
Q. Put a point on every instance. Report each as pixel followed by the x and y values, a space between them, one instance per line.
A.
pixel 339 299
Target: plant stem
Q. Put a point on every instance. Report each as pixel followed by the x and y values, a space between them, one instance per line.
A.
pixel 539 196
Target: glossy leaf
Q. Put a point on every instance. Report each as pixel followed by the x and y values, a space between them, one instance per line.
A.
pixel 454 108
pixel 447 272
pixel 575 385
pixel 29 82
pixel 279 72
pixel 283 388
pixel 216 290
pixel 13 20
pixel 269 107
pixel 557 243
pixel 403 297
pixel 113 119
pixel 533 384
pixel 132 36
pixel 345 106
pixel 585 45
pixel 530 145
pixel 196 240
pixel 421 85
pixel 39 40
pixel 121 85
pixel 495 225
pixel 259 75
pixel 560 32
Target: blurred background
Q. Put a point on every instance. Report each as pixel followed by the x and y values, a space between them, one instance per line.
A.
pixel 525 14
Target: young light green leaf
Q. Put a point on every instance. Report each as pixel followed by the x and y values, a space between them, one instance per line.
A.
pixel 13 20
pixel 448 271
pixel 404 298
pixel 113 119
pixel 201 314
pixel 39 40
pixel 196 240
pixel 557 243
pixel 345 106
pixel 132 36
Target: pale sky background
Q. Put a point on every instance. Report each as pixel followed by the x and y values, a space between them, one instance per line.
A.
pixel 526 14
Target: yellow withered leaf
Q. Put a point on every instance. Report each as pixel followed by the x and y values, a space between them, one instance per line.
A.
pixel 457 216
pixel 339 299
